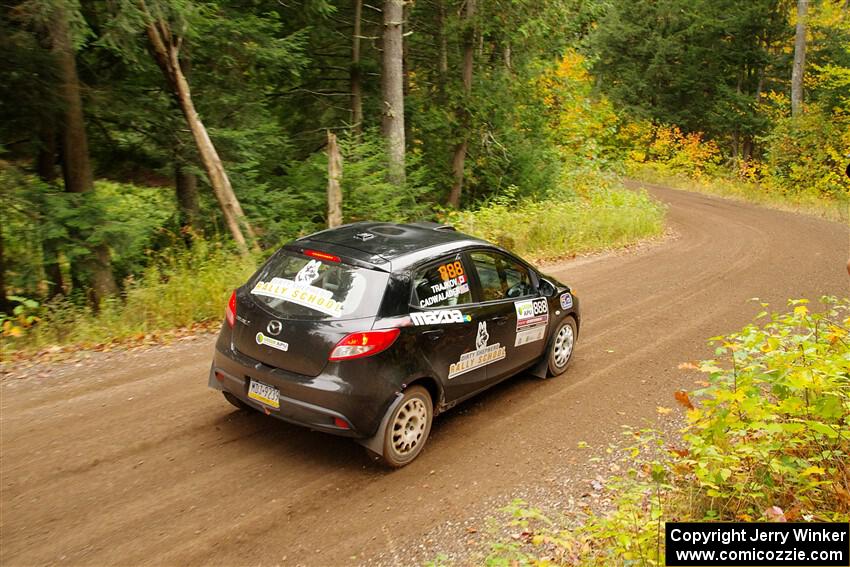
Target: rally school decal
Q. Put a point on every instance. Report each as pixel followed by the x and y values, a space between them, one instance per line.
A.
pixel 439 317
pixel 454 283
pixel 532 316
pixel 483 354
pixel 272 342
pixel 301 291
pixel 566 300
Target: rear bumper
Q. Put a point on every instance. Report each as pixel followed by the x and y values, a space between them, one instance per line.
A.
pixel 311 401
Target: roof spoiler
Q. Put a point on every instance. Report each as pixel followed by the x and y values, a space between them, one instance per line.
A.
pixel 433 225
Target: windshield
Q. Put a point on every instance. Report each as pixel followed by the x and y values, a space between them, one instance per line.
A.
pixel 294 286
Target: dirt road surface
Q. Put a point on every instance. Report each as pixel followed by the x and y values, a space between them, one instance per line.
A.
pixel 133 461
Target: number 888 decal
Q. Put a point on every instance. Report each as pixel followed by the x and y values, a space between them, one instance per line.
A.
pixel 451 271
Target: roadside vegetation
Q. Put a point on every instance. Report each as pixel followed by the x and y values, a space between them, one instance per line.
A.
pixel 767 438
pixel 514 120
pixel 598 218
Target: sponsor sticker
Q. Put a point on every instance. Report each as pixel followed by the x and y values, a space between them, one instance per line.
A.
pixel 300 293
pixel 272 342
pixel 439 317
pixel 532 316
pixel 566 300
pixel 483 354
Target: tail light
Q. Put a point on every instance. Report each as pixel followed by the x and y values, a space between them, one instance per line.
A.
pixel 230 312
pixel 366 343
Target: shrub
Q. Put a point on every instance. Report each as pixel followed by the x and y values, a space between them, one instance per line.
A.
pixel 768 439
pixel 580 219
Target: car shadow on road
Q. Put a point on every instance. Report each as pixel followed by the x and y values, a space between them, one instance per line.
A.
pixel 282 442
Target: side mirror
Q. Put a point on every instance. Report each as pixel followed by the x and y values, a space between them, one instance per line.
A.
pixel 546 288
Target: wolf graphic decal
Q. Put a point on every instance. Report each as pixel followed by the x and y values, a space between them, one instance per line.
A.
pixel 483 336
pixel 309 273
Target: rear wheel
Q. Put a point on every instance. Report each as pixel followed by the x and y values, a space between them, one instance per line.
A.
pixel 408 427
pixel 561 348
pixel 236 401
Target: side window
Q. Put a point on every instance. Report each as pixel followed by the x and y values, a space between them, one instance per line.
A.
pixel 442 284
pixel 501 277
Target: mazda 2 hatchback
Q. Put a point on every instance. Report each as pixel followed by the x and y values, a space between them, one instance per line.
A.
pixel 369 330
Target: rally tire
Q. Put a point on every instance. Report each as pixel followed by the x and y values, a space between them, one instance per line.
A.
pixel 408 427
pixel 562 346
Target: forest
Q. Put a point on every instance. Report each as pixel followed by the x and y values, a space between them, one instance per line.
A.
pixel 153 151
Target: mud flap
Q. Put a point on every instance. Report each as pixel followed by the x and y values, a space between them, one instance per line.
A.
pixel 541 369
pixel 375 443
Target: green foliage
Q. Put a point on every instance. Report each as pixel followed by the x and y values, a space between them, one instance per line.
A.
pixel 773 426
pixel 768 438
pixel 179 288
pixel 809 153
pixel 576 220
pixel 126 217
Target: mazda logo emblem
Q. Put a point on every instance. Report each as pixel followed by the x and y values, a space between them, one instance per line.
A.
pixel 274 327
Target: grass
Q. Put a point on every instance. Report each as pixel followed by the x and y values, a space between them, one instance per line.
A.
pixel 599 219
pixel 836 209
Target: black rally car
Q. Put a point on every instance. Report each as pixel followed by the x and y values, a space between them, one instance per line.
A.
pixel 370 329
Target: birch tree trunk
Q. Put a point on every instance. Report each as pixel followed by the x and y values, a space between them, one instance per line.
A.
pixel 166 49
pixel 392 88
pixel 355 75
pixel 334 177
pixel 459 157
pixel 799 59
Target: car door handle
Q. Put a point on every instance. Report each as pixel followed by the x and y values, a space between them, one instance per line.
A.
pixel 434 335
pixel 501 320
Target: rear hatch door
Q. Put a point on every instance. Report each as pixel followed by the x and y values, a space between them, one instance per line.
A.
pixel 298 306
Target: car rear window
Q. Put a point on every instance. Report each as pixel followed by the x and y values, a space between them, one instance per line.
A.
pixel 295 286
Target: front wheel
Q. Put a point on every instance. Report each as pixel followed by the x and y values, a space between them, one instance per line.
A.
pixel 561 348
pixel 408 427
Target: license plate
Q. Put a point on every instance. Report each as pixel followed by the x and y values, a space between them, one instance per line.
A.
pixel 264 393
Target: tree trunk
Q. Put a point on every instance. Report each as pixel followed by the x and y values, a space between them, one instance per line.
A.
pixel 76 166
pixel 443 42
pixel 52 269
pixel 334 177
pixel 405 65
pixel 45 167
pixel 355 76
pixel 186 187
pixel 392 87
pixel 5 304
pixel 799 59
pixel 45 161
pixel 459 158
pixel 166 49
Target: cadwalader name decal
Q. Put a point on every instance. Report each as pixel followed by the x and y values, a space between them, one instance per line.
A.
pixel 483 354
